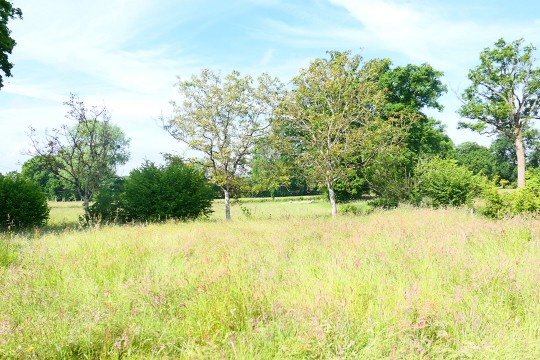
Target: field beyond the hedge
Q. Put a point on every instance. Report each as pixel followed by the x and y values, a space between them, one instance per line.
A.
pixel 282 280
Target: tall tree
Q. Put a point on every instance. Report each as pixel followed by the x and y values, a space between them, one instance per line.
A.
pixel 7 12
pixel 504 94
pixel 333 118
pixel 222 118
pixel 85 154
pixel 409 91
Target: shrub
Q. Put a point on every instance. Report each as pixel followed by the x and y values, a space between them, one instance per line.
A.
pixel 107 206
pixel 441 182
pixel 156 193
pixel 22 204
pixel 519 201
pixel 362 208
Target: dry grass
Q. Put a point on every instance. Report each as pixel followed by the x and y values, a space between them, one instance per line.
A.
pixel 408 283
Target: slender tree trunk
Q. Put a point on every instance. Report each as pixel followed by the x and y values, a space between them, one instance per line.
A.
pixel 332 196
pixel 86 207
pixel 227 203
pixel 520 153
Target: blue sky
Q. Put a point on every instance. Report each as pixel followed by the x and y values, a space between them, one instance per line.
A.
pixel 127 54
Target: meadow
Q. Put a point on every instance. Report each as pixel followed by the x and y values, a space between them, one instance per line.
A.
pixel 282 280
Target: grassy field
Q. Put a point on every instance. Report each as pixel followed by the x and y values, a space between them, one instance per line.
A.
pixel 282 280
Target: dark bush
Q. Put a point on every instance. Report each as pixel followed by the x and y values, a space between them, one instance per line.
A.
pixel 107 206
pixel 156 193
pixel 22 203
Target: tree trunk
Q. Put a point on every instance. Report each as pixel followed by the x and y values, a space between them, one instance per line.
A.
pixel 332 197
pixel 227 204
pixel 520 153
pixel 86 207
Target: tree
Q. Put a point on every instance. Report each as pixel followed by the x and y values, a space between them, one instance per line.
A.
pixel 476 158
pixel 86 154
pixel 222 119
pixel 332 118
pixel 7 12
pixel 35 170
pixel 409 90
pixel 505 158
pixel 504 94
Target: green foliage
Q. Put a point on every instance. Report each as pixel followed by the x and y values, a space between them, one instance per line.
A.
pixel 352 187
pixel 222 118
pixel 503 96
pixel 156 193
pixel 333 118
pixel 412 87
pixel 55 188
pixel 497 204
pixel 504 154
pixel 22 204
pixel 108 206
pixel 409 90
pixel 84 155
pixel 441 183
pixel 477 158
pixel 362 208
pixel 7 12
pixel 505 76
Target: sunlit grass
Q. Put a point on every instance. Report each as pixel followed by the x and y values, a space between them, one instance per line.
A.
pixel 286 281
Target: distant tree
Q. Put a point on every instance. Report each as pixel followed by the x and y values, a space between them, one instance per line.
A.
pixel 332 118
pixel 7 12
pixel 270 170
pixel 222 118
pixel 504 94
pixel 476 158
pixel 55 188
pixel 86 154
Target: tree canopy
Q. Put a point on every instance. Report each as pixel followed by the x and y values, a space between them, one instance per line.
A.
pixel 503 95
pixel 7 43
pixel 222 118
pixel 333 119
pixel 85 154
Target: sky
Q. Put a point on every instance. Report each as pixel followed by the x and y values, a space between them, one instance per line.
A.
pixel 129 54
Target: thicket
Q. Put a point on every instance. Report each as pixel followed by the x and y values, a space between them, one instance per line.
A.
pixel 497 204
pixel 22 203
pixel 442 183
pixel 156 193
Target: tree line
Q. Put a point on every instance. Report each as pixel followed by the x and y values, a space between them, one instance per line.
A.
pixel 344 125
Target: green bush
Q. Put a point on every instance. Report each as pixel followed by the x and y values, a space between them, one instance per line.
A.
pixel 107 206
pixel 22 204
pixel 156 193
pixel 519 201
pixel 441 182
pixel 362 208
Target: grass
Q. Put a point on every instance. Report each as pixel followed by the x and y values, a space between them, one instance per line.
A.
pixel 285 281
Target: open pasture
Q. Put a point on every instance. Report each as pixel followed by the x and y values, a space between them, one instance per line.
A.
pixel 282 280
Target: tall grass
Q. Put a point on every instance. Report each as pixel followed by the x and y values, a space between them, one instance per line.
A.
pixel 407 283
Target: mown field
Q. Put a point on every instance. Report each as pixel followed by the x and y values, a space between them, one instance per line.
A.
pixel 282 280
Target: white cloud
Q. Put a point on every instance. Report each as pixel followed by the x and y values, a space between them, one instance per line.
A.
pixel 427 34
